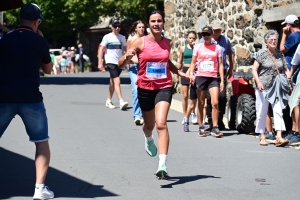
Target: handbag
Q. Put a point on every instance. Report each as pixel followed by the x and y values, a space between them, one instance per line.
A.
pixel 283 77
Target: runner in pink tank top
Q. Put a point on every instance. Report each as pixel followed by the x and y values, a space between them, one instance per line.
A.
pixel 154 85
pixel 209 63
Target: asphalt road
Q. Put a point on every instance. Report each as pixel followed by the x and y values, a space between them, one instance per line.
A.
pixel 98 153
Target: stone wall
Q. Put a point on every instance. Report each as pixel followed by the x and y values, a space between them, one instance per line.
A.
pixel 242 19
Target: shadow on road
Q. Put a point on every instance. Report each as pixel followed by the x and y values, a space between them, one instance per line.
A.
pixel 57 80
pixel 18 180
pixel 185 179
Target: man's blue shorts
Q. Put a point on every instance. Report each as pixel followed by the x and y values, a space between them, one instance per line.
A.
pixel 33 115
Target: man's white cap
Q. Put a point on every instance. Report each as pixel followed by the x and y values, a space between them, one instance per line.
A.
pixel 290 19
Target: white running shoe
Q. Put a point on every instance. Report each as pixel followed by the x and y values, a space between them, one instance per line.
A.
pixel 194 118
pixel 123 105
pixel 142 121
pixel 137 121
pixel 110 105
pixel 42 194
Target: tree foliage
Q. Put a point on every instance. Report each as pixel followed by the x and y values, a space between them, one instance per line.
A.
pixel 63 17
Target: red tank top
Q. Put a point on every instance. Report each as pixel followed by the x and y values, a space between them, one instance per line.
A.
pixel 154 71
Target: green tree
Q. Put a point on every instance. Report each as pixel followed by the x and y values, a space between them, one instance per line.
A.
pixel 62 18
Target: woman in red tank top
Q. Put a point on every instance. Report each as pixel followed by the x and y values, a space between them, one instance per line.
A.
pixel 154 85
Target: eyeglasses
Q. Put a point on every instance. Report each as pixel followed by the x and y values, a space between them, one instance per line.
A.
pixel 272 40
pixel 206 34
pixel 117 26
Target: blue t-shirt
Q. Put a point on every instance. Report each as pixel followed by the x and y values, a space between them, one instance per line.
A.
pixel 291 44
pixel 22 53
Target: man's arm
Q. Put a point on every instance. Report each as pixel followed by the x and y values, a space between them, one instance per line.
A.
pixel 100 57
pixel 47 67
pixel 231 65
pixel 285 33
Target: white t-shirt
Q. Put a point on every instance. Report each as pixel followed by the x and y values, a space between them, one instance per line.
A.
pixel 296 58
pixel 114 45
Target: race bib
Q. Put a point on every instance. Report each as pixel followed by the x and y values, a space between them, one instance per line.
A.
pixel 156 70
pixel 207 65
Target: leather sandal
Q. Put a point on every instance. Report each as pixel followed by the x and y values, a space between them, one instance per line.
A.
pixel 280 142
pixel 263 141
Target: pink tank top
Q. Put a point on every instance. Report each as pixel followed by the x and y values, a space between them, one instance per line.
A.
pixel 154 71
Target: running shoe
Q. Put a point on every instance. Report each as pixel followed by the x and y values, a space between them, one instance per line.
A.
pixel 186 127
pixel 123 105
pixel 289 135
pixel 203 132
pixel 206 126
pixel 295 139
pixel 150 148
pixel 141 121
pixel 161 172
pixel 182 122
pixel 137 121
pixel 194 118
pixel 216 132
pixel 110 105
pixel 44 193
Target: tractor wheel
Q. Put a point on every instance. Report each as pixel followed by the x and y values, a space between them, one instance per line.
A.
pixel 245 114
pixel 231 111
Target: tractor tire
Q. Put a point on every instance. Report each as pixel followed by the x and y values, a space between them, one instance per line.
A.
pixel 245 114
pixel 231 111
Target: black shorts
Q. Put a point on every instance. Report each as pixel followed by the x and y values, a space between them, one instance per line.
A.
pixel 193 92
pixel 149 98
pixel 205 83
pixel 185 81
pixel 113 70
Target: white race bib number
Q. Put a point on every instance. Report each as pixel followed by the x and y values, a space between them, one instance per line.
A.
pixel 207 65
pixel 156 70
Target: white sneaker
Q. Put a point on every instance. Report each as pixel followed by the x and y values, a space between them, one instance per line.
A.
pixel 123 105
pixel 142 121
pixel 194 118
pixel 44 193
pixel 110 105
pixel 137 121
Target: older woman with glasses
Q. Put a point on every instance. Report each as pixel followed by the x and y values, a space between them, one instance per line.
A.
pixel 265 72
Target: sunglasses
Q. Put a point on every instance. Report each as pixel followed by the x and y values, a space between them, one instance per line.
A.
pixel 117 26
pixel 206 34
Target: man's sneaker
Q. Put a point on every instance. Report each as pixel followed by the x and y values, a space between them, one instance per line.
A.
pixel 186 127
pixel 150 148
pixel 137 121
pixel 141 121
pixel 194 118
pixel 123 105
pixel 216 132
pixel 289 135
pixel 110 105
pixel 161 172
pixel 203 132
pixel 206 126
pixel 270 135
pixel 295 139
pixel 43 193
pixel 182 122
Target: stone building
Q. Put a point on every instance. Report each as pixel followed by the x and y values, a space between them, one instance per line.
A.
pixel 245 21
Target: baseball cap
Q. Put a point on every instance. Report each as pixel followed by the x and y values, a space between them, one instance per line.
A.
pixel 216 24
pixel 207 29
pixel 115 21
pixel 31 11
pixel 290 19
pixel 72 48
